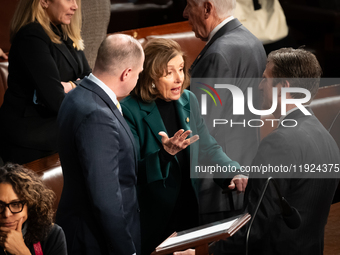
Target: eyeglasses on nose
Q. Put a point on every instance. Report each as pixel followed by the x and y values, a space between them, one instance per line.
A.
pixel 14 207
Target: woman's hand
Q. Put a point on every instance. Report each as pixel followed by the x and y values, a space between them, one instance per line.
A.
pixel 2 54
pixel 67 86
pixel 178 142
pixel 12 240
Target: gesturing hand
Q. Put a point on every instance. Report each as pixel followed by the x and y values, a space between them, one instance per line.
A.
pixel 178 142
pixel 12 240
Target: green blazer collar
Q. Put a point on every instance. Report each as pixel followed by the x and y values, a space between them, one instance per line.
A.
pixel 154 119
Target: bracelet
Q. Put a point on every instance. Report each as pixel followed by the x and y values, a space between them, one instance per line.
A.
pixel 72 84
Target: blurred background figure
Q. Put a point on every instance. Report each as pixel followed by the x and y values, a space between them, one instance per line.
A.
pixel 45 58
pixel 165 119
pixel 26 214
pixel 266 20
pixel 95 17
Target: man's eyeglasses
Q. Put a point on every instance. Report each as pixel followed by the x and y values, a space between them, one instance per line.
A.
pixel 14 207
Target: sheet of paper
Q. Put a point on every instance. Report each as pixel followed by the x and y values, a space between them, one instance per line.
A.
pixel 197 234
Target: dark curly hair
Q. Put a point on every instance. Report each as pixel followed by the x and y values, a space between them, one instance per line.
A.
pixel 39 199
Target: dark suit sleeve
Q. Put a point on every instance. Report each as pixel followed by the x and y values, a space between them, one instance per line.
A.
pixel 35 54
pixel 100 167
pixel 150 167
pixel 210 153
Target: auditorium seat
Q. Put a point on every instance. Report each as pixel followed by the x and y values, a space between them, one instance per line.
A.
pixel 326 107
pixel 179 31
pixel 49 169
pixel 127 15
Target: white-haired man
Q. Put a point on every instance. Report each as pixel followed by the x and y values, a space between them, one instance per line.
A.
pixel 232 53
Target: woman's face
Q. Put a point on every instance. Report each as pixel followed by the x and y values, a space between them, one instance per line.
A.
pixel 170 85
pixel 7 218
pixel 60 11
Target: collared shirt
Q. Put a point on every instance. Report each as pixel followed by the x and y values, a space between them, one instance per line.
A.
pixel 107 90
pixel 218 27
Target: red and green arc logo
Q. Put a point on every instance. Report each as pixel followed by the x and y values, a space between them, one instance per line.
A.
pixel 209 93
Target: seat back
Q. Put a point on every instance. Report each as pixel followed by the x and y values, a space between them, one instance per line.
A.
pixel 49 168
pixel 179 32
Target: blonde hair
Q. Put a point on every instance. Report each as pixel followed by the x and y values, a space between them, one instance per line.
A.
pixel 31 11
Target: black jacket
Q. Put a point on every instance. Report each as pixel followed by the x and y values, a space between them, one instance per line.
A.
pixel 36 65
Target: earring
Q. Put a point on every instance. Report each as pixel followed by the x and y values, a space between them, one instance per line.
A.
pixel 153 85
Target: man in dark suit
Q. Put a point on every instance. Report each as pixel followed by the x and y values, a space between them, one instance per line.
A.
pixel 231 53
pixel 305 143
pixel 98 209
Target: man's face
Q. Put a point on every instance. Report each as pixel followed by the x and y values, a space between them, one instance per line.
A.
pixel 266 87
pixel 195 15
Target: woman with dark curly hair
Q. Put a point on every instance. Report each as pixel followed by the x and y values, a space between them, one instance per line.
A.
pixel 26 214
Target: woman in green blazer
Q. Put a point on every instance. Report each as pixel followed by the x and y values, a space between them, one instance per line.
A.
pixel 170 192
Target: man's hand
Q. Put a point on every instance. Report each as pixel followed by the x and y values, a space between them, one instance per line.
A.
pixel 186 252
pixel 240 182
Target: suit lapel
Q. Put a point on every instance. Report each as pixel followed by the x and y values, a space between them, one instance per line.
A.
pixel 69 57
pixel 231 25
pixel 183 111
pixel 88 84
pixel 153 119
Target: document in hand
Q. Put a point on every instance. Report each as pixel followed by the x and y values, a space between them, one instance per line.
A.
pixel 200 237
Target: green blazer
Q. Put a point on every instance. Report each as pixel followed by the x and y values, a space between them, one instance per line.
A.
pixel 158 188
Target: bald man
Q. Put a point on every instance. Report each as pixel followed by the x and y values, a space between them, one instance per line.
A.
pixel 98 209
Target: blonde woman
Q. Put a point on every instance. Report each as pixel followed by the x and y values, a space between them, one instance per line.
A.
pixel 45 59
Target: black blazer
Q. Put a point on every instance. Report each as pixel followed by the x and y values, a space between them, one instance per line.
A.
pixel 37 64
pixel 98 209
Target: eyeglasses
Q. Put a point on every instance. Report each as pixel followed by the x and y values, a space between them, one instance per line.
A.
pixel 14 207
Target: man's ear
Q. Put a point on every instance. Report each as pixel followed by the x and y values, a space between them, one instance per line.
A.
pixel 207 9
pixel 285 84
pixel 125 74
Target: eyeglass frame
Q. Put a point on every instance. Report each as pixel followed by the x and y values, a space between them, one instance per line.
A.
pixel 8 205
